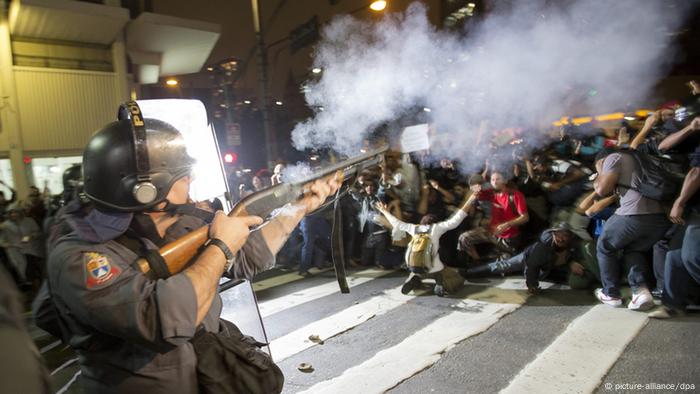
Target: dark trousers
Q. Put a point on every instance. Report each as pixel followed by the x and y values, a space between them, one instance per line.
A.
pixel 316 232
pixel 631 237
pixel 682 271
pixel 671 241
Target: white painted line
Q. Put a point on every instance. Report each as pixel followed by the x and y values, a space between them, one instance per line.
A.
pixel 276 305
pixel 283 279
pixel 419 351
pixel 49 347
pixel 298 340
pixel 67 385
pixel 63 366
pixel 581 356
pixel 514 284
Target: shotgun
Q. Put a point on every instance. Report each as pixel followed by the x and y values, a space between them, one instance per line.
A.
pixel 263 203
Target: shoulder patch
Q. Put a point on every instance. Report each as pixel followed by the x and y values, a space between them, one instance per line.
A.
pixel 98 269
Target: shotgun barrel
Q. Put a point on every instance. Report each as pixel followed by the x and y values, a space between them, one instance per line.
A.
pixel 263 203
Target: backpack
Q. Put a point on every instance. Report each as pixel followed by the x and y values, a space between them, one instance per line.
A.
pixel 661 179
pixel 419 254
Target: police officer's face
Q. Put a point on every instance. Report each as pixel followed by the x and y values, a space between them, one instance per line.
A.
pixel 180 191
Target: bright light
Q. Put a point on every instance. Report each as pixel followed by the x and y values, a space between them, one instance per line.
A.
pixel 426 109
pixel 378 5
pixel 278 102
pixel 246 101
pixel 230 158
pixel 316 70
pixel 171 82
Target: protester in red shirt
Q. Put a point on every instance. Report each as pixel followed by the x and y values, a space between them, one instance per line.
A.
pixel 508 213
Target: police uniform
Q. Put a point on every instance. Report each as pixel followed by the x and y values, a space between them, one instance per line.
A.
pixel 132 333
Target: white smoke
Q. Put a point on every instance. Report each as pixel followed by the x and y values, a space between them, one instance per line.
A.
pixel 527 62
pixel 297 173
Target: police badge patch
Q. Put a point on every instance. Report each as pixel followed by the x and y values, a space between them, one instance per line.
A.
pixel 98 269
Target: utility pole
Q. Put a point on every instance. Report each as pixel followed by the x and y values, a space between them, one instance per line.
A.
pixel 262 81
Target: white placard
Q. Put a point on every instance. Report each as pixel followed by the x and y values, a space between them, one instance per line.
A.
pixel 190 118
pixel 415 138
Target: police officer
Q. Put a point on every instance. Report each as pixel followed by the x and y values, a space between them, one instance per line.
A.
pixel 132 332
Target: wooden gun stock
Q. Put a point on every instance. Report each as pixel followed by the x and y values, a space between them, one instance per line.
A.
pixel 263 203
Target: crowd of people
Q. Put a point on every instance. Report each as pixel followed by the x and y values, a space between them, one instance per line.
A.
pixel 22 249
pixel 597 206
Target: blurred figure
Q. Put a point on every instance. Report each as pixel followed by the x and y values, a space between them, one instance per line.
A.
pixel 4 202
pixel 276 177
pixel 22 239
pixel 21 367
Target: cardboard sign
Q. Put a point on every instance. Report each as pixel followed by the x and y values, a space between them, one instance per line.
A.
pixel 415 138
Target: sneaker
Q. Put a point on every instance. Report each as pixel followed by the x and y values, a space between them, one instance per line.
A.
pixel 641 300
pixel 606 299
pixel 666 312
pixel 439 291
pixel 415 282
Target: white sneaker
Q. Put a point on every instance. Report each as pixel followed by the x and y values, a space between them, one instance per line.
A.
pixel 641 300
pixel 606 299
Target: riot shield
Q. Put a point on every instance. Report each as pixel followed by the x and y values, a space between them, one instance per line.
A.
pixel 190 118
pixel 241 308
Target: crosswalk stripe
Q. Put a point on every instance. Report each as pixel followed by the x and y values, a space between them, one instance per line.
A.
pixel 49 347
pixel 515 284
pixel 64 366
pixel 422 349
pixel 275 305
pixel 579 358
pixel 283 279
pixel 70 383
pixel 298 340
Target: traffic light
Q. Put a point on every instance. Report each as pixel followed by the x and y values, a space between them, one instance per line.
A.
pixel 230 158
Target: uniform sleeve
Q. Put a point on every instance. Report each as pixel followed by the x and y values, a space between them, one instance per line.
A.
pixel 520 204
pixel 255 256
pixel 102 291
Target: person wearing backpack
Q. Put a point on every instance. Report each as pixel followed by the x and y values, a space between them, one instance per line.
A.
pixel 631 232
pixel 422 257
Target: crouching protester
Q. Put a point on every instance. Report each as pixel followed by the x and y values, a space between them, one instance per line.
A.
pixel 136 332
pixel 562 253
pixel 422 257
pixel 682 268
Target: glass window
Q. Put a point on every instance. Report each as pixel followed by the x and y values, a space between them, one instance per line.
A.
pixel 6 177
pixel 48 171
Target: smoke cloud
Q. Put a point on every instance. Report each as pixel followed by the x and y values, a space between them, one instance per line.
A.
pixel 525 64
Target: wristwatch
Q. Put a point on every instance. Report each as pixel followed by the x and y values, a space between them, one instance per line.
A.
pixel 230 257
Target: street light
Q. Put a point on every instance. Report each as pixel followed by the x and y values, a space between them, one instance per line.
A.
pixel 378 5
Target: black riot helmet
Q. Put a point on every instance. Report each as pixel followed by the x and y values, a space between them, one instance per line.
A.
pixel 131 164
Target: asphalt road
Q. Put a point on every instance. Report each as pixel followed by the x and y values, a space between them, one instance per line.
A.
pixel 491 336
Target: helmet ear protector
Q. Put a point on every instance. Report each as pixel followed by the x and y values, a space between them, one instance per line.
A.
pixel 144 191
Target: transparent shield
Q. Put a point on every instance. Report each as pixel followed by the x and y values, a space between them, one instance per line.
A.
pixel 241 308
pixel 190 118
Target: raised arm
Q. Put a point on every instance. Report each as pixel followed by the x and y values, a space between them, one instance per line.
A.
pixel 691 184
pixel 680 136
pixel 642 135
